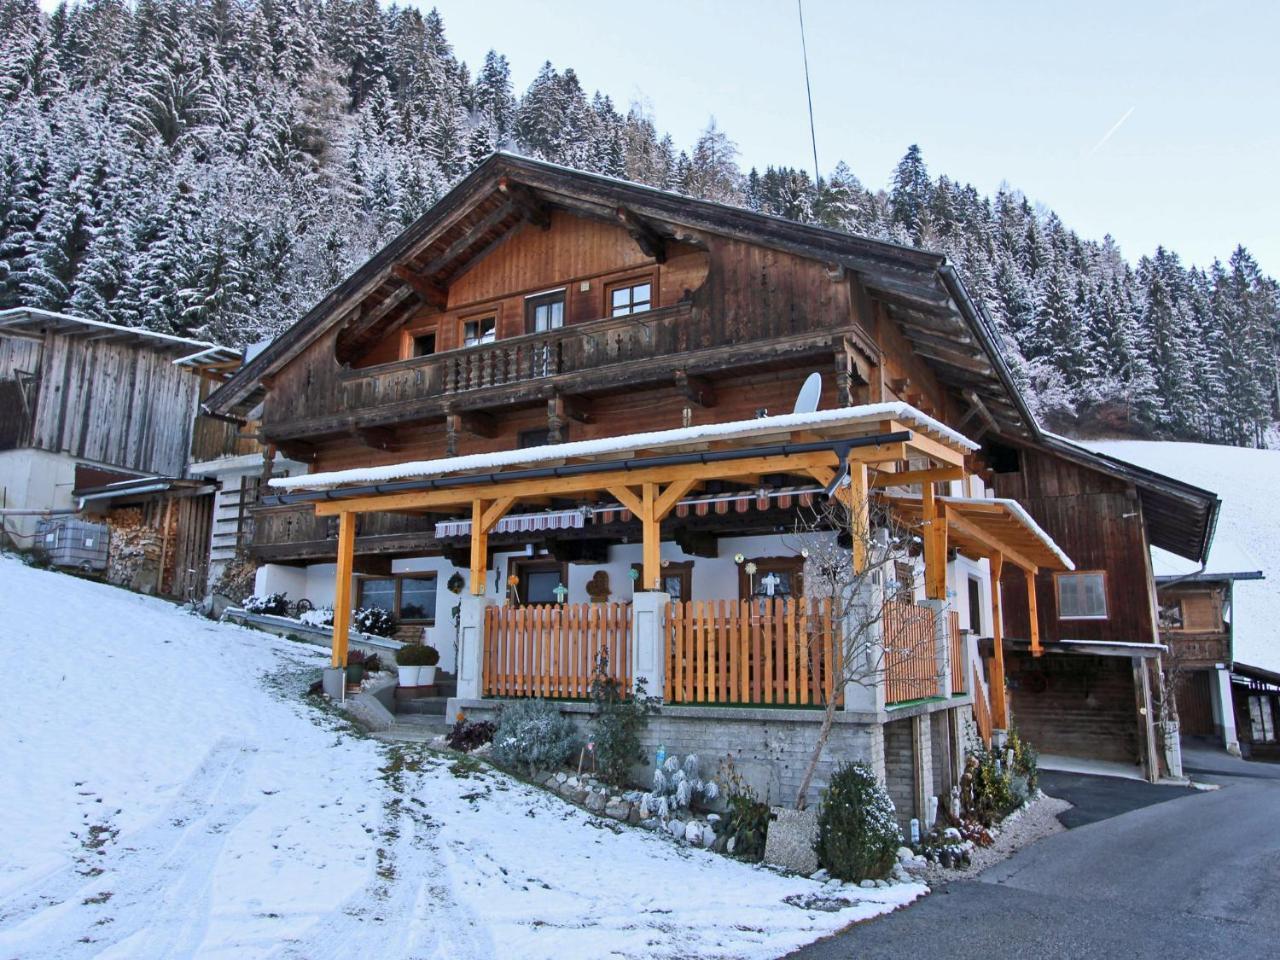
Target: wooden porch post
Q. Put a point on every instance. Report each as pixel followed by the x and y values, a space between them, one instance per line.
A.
pixel 342 588
pixel 1032 612
pixel 479 549
pixel 999 709
pixel 651 529
pixel 859 512
pixel 935 544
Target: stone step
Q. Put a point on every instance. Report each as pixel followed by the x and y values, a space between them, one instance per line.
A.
pixel 406 732
pixel 423 720
pixel 434 706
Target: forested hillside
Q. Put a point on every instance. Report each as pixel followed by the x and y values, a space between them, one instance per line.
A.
pixel 211 167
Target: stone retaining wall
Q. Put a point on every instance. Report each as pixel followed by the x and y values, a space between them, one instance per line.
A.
pixel 770 747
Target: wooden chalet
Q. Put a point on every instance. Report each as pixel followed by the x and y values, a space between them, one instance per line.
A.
pixel 96 419
pixel 579 395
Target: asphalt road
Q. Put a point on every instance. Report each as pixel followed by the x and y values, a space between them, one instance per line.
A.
pixel 1190 875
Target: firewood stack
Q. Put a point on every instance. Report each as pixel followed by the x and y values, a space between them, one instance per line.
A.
pixel 133 559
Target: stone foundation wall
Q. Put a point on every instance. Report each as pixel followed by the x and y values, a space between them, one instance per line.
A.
pixel 770 747
pixel 940 737
pixel 899 767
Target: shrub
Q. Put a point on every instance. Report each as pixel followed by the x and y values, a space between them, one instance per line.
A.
pixel 533 735
pixel 417 655
pixel 676 786
pixel 273 603
pixel 618 724
pixel 1025 760
pixel 746 820
pixel 374 621
pixel 318 618
pixel 371 662
pixel 466 735
pixel 988 788
pixel 858 836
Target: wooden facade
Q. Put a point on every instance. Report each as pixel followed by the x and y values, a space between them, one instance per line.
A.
pixel 105 394
pixel 492 325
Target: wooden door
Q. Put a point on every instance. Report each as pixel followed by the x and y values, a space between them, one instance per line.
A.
pixel 1195 704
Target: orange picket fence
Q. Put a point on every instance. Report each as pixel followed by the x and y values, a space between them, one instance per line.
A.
pixel 759 652
pixel 910 658
pixel 552 650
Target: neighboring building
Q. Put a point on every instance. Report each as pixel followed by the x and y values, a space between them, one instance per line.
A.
pixel 229 453
pixel 439 395
pixel 1223 616
pixel 97 418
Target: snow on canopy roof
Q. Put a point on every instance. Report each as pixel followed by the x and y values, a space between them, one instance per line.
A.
pixel 730 430
pixel 1248 531
pixel 1015 511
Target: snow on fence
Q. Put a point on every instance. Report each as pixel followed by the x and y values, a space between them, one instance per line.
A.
pixel 910 660
pixel 762 652
pixel 552 650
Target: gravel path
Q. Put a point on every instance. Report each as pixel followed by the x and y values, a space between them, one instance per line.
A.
pixel 1037 820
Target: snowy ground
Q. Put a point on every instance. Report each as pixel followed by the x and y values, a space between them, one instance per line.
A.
pixel 168 793
pixel 1248 533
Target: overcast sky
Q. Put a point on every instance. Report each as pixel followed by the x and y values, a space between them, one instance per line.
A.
pixel 1154 121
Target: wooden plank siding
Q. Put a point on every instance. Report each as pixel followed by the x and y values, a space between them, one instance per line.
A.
pixel 1097 520
pixel 910 652
pixel 117 404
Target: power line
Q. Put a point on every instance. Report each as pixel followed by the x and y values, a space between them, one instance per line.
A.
pixel 813 135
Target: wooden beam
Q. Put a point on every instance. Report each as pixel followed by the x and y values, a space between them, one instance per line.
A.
pixel 671 496
pixel 342 588
pixel 572 407
pixel 907 478
pixel 629 499
pixel 495 512
pixel 934 531
pixel 999 707
pixel 479 548
pixel 466 242
pixel 527 202
pixel 428 291
pixel 651 243
pixel 989 542
pixel 857 494
pixel 607 480
pixel 1032 613
pixel 697 390
pixel 651 532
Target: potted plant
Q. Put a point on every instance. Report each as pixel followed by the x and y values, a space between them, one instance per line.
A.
pixel 355 666
pixel 427 670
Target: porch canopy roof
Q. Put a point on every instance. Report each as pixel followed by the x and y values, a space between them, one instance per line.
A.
pixel 809 444
pixel 984 527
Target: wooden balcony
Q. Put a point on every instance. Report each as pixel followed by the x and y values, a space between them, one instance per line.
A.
pixel 295 533
pixel 596 356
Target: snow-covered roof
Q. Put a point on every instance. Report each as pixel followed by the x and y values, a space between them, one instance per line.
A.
pixel 1248 531
pixel 30 318
pixel 758 428
pixel 1014 507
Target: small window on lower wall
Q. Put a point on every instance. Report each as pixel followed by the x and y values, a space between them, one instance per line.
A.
pixel 410 598
pixel 1081 595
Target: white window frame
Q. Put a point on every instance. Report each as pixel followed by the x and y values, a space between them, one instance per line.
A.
pixel 1075 575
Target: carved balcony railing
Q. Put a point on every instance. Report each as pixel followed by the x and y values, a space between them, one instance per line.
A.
pixel 295 532
pixel 579 357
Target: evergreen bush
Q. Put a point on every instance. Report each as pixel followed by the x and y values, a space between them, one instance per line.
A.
pixel 374 621
pixel 858 836
pixel 417 655
pixel 274 604
pixel 746 819
pixel 619 722
pixel 533 735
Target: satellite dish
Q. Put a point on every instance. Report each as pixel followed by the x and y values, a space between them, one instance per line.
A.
pixel 810 393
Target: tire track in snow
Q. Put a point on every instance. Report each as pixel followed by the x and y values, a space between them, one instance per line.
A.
pixel 154 892
pixel 408 909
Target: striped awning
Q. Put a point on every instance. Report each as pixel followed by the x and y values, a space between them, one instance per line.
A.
pixel 518 523
pixel 782 498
